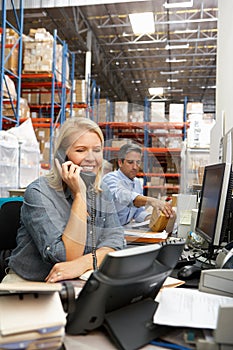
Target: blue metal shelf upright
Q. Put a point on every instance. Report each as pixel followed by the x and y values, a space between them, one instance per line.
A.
pixel 61 89
pixel 18 29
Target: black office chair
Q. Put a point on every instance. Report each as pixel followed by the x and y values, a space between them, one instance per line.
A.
pixel 9 224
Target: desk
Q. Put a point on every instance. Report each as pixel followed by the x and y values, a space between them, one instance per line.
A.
pixel 96 340
pixel 16 192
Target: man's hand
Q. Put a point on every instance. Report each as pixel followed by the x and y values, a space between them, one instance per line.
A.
pixel 164 207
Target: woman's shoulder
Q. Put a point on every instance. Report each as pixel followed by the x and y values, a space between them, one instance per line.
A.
pixel 38 186
pixel 38 183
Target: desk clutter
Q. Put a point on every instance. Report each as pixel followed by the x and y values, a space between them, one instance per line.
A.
pixel 121 292
pixel 129 291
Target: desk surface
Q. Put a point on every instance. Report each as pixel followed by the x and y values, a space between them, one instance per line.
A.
pixel 15 192
pixel 95 340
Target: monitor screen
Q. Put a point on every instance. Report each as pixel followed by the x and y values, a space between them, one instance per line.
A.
pixel 125 278
pixel 215 204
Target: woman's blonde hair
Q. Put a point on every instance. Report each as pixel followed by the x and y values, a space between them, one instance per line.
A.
pixel 69 132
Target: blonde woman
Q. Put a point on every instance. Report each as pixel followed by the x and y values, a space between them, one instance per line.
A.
pixel 67 226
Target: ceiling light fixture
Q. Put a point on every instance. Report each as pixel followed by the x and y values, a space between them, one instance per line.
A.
pixel 35 14
pixel 156 91
pixel 175 47
pixel 185 31
pixel 173 5
pixel 176 90
pixel 209 87
pixel 169 72
pixel 172 80
pixel 142 22
pixel 174 60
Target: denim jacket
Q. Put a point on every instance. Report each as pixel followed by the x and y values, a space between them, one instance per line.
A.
pixel 44 215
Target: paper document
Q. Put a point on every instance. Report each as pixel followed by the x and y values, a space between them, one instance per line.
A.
pixel 181 307
pixel 171 282
pixel 86 275
pixel 159 235
pixel 134 225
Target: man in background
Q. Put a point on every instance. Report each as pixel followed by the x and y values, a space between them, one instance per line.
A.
pixel 127 189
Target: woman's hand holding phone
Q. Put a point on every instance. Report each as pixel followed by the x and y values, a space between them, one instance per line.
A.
pixel 70 174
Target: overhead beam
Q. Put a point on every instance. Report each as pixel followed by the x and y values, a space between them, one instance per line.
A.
pixel 29 4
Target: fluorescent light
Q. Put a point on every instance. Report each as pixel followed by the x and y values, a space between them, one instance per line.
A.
pixel 156 91
pixel 176 90
pixel 142 22
pixel 178 4
pixel 172 80
pixel 174 60
pixel 174 47
pixel 35 14
pixel 185 31
pixel 209 87
pixel 171 72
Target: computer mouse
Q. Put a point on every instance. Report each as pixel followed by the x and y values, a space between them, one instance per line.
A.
pixel 189 272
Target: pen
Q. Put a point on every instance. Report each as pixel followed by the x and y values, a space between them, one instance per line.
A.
pixel 168 345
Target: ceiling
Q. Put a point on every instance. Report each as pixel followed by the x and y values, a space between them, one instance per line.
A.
pixel 125 65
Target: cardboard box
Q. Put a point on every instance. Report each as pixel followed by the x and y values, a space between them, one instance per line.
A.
pixel 10 85
pixel 121 111
pixel 176 112
pixel 157 111
pixel 194 107
pixel 160 222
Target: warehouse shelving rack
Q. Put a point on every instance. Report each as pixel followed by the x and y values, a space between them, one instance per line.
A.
pixel 52 114
pixel 18 29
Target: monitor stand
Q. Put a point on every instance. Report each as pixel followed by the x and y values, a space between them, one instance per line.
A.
pixel 132 326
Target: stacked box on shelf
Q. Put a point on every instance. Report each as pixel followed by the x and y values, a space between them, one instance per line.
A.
pixel 10 52
pixel 38 51
pixel 45 97
pixel 194 108
pixel 121 111
pixel 76 112
pixel 176 112
pixel 136 113
pixel 103 112
pixel 24 110
pixel 79 97
pixel 43 137
pixel 157 112
pixel 198 133
pixel 38 54
pixel 119 143
pixel 8 89
pixel 32 98
pixel 80 91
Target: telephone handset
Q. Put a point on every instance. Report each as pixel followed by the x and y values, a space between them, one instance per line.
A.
pixel 89 179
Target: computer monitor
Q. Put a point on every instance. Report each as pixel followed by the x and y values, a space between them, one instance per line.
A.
pixel 120 294
pixel 215 209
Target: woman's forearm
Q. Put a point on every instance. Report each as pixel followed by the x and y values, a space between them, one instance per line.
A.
pixel 74 235
pixel 75 268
